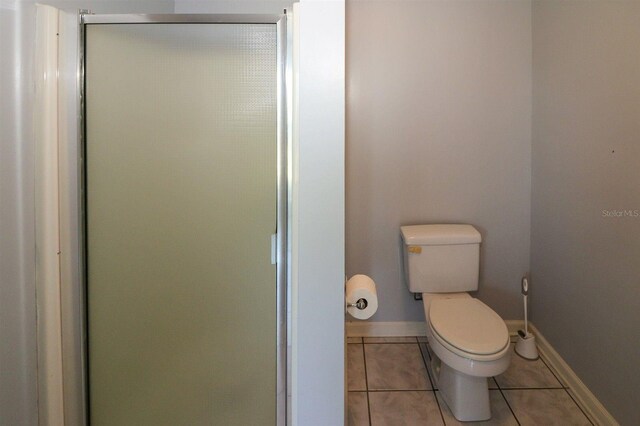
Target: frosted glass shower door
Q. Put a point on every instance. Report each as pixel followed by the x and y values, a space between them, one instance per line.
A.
pixel 181 169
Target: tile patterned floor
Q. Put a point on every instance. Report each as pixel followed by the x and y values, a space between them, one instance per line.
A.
pixel 390 384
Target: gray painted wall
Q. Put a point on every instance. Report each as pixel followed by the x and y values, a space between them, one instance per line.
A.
pixel 438 130
pixel 586 159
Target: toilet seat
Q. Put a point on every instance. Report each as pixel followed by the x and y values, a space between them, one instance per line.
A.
pixel 469 328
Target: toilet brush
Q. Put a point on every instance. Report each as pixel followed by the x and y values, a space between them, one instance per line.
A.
pixel 526 345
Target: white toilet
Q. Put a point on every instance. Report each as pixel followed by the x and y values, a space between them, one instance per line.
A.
pixel 470 340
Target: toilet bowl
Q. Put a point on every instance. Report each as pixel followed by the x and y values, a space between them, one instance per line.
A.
pixel 469 343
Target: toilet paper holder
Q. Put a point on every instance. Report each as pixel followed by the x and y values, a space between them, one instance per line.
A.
pixel 361 299
pixel 360 304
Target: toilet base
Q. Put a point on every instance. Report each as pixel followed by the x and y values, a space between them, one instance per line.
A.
pixel 466 396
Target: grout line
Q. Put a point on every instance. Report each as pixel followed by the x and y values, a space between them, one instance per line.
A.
pixel 552 372
pixel 433 388
pixel 426 367
pixel 513 413
pixel 578 405
pixel 366 381
pixel 398 390
pixel 428 363
pixel 508 405
pixel 435 396
pixel 489 380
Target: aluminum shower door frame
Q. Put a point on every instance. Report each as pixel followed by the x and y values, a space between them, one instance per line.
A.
pixel 283 223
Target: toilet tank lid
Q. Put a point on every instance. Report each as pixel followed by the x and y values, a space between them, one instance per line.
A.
pixel 439 234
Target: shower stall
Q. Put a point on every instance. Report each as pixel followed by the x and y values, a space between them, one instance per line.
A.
pixel 112 226
pixel 183 205
pixel 184 194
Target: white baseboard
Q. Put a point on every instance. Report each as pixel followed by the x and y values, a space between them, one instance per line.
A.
pixel 583 396
pixel 385 329
pixel 513 326
pixel 404 328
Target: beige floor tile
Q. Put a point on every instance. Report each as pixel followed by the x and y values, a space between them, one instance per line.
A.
pixel 354 339
pixel 390 340
pixel 358 409
pixel 548 407
pixel 409 408
pixel 500 412
pixel 356 380
pixel 422 339
pixel 395 367
pixel 523 373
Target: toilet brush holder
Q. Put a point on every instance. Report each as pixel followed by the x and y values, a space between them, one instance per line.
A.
pixel 526 346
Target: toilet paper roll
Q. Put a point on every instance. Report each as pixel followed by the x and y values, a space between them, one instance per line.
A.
pixel 361 287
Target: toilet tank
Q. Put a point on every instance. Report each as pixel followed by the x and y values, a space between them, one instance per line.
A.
pixel 441 258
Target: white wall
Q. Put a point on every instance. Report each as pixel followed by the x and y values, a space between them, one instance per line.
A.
pixel 18 403
pixel 438 130
pixel 586 157
pixel 318 248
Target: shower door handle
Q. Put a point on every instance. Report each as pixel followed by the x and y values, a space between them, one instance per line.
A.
pixel 274 249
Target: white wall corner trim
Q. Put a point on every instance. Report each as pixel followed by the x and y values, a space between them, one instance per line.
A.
pixel 50 382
